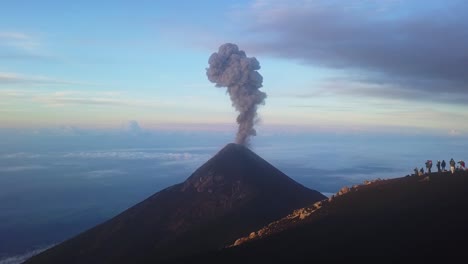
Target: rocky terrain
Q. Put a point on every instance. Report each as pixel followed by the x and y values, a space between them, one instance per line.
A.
pixel 401 219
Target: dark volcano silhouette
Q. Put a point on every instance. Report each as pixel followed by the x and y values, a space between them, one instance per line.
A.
pixel 400 220
pixel 232 194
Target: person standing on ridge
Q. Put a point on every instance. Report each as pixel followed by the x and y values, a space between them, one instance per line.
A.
pixel 438 166
pixel 443 165
pixel 462 165
pixel 428 166
pixel 452 165
pixel 421 172
pixel 416 172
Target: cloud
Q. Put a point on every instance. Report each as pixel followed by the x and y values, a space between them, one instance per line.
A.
pixel 135 155
pixel 96 98
pixel 23 257
pixel 18 40
pixel 15 78
pixel 454 132
pixel 387 90
pixel 20 155
pixel 125 154
pixel 9 35
pixel 133 128
pixel 397 45
pixel 333 179
pixel 70 97
pixel 84 101
pixel 20 46
pixel 104 173
pixel 90 100
pixel 21 168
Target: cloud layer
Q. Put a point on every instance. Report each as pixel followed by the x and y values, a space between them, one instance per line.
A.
pixel 133 155
pixel 110 154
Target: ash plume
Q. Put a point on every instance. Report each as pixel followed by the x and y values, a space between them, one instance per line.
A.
pixel 231 68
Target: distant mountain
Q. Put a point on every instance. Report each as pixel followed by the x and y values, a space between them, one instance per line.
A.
pixel 232 194
pixel 413 218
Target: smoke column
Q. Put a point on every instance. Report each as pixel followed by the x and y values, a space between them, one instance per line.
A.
pixel 231 68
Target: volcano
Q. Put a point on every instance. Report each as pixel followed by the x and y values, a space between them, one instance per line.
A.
pixel 232 194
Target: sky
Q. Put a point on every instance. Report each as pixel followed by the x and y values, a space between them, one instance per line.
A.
pixel 328 66
pixel 103 103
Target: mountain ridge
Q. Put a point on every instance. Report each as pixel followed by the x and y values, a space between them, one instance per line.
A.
pixel 412 216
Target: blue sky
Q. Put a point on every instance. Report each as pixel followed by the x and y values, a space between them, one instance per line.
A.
pixel 327 65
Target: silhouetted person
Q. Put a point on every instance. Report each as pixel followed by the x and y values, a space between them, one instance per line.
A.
pixel 452 165
pixel 428 166
pixel 438 166
pixel 421 172
pixel 443 165
pixel 416 172
pixel 462 165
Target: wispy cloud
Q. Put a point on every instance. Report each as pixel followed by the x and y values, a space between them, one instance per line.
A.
pixel 18 40
pixel 10 35
pixel 83 101
pixel 97 98
pixel 71 97
pixel 135 155
pixel 109 154
pixel 21 45
pixel 20 155
pixel 104 173
pixel 10 78
pixel 23 257
pixel 21 168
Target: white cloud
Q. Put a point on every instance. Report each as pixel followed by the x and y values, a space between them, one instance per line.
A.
pixel 19 42
pixel 18 78
pixel 134 155
pixel 110 154
pixel 21 168
pixel 66 98
pixel 62 101
pixel 23 257
pixel 10 35
pixel 97 98
pixel 104 173
pixel 19 155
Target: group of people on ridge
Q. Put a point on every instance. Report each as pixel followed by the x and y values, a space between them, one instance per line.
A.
pixel 441 166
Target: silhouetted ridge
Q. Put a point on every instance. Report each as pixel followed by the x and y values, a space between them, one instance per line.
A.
pixel 396 220
pixel 232 194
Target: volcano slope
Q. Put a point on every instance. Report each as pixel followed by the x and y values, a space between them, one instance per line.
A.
pixel 232 194
pixel 412 218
